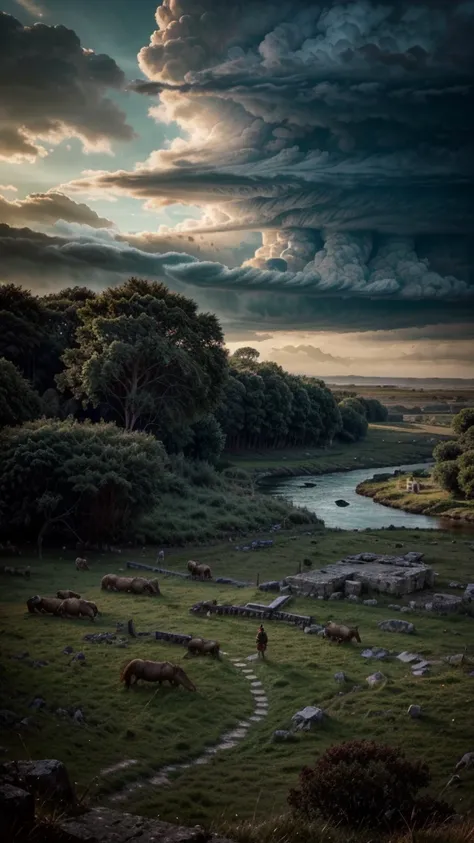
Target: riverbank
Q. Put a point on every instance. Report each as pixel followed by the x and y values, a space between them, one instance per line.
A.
pixel 430 501
pixel 385 445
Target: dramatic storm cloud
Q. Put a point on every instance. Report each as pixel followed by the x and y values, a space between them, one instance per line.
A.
pixel 51 88
pixel 47 209
pixel 342 131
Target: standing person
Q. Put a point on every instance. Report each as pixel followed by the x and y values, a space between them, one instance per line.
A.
pixel 261 641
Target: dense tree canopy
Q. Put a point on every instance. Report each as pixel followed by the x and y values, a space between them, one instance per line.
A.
pixel 93 479
pixel 18 400
pixel 147 355
pixel 454 468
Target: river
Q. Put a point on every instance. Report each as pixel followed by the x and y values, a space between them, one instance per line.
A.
pixel 362 513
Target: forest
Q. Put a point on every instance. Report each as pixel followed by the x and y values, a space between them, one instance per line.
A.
pixel 103 395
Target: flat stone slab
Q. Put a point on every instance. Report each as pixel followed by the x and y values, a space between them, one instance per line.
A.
pixel 255 718
pixel 262 712
pixel 253 657
pixel 250 676
pixel 407 658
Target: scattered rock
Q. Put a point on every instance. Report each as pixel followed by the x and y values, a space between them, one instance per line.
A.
pixel 395 625
pixel 62 712
pixel 341 502
pixel 375 679
pixel 456 585
pixel 398 544
pixel 314 629
pixel 469 592
pixel 407 658
pixel 68 650
pixel 414 711
pixel 79 657
pixel 466 761
pixel 421 671
pixel 281 735
pixel 443 603
pixel 336 595
pixel 405 609
pixel 305 719
pixel 394 606
pixel 375 653
pixel 455 660
pixel 37 703
pixel 353 598
pixel 78 717
pixel 371 602
pixel 340 676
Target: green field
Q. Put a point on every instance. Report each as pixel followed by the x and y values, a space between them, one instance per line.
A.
pixel 157 726
pixel 386 444
pixel 430 500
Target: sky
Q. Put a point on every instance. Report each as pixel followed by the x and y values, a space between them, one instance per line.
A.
pixel 303 169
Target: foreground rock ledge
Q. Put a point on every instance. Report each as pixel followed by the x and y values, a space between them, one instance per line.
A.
pixel 104 825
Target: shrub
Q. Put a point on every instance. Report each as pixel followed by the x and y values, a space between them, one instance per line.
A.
pixel 463 420
pixel 466 474
pixel 447 451
pixel 363 783
pixel 354 424
pixel 466 441
pixel 446 475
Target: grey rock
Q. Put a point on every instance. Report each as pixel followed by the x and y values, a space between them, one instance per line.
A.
pixel 423 671
pixel 455 660
pixel 444 603
pixel 37 703
pixel 394 606
pixel 375 653
pixel 353 598
pixel 395 625
pixel 78 717
pixel 62 712
pixel 285 589
pixel 68 650
pixel 47 779
pixel 469 592
pixel 414 711
pixel 407 658
pixel 282 735
pixel 375 679
pixel 340 676
pixel 17 810
pixel 313 629
pixel 341 502
pixel 336 595
pixel 466 761
pixel 405 609
pixel 371 602
pixel 305 719
pixel 456 585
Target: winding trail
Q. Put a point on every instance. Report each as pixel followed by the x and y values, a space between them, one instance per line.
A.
pixel 228 740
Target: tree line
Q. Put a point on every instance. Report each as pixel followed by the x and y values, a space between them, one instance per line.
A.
pixel 99 391
pixel 454 467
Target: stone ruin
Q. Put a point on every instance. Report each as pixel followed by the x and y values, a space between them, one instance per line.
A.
pixel 354 575
pixel 260 613
pixel 187 576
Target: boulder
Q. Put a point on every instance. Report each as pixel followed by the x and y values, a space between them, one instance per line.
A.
pixel 395 625
pixel 375 653
pixel 414 711
pixel 46 779
pixel 282 735
pixel 466 761
pixel 341 502
pixel 375 679
pixel 314 629
pixel 37 703
pixel 444 603
pixel 305 719
pixel 353 599
pixel 455 660
pixel 336 595
pixel 17 810
pixel 340 676
pixel 371 602
pixel 105 825
pixel 469 592
pixel 394 607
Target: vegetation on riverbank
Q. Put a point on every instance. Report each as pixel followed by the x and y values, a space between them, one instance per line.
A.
pixel 385 445
pixel 430 500
pixel 250 782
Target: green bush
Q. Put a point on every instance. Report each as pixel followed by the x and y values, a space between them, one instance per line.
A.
pixel 463 420
pixel 466 474
pixel 446 475
pixel 447 451
pixel 363 783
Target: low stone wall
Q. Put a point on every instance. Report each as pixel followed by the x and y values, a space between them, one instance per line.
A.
pixel 216 580
pixel 244 612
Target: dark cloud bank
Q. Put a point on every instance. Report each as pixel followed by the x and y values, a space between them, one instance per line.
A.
pixel 342 131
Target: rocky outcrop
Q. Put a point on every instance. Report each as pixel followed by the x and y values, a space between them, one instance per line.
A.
pixel 104 825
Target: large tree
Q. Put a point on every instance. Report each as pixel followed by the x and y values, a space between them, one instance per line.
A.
pixel 18 400
pixel 92 479
pixel 148 355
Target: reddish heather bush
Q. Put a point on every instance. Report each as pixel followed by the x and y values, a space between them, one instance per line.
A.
pixel 364 783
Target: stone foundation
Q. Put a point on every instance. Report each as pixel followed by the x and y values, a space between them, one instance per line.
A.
pixel 354 575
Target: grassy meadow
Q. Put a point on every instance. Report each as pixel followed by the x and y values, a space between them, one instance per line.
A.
pixel 430 500
pixel 157 726
pixel 385 444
